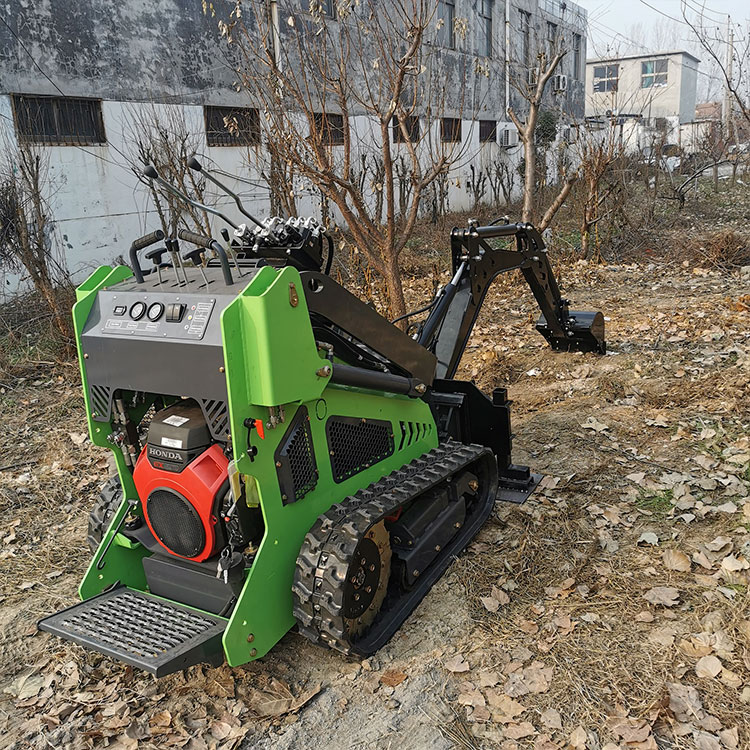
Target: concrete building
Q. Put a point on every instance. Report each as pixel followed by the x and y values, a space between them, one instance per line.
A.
pixel 648 97
pixel 79 80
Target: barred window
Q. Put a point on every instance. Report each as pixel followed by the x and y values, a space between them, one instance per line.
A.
pixel 330 127
pixel 232 126
pixel 450 130
pixel 446 20
pixel 487 131
pixel 59 120
pixel 412 128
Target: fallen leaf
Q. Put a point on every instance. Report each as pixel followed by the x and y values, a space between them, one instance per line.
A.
pixel 594 424
pixel 708 666
pixel 517 731
pixel 648 537
pixel 471 698
pixel 577 739
pixel 676 560
pixel 392 677
pixel 667 596
pixel 457 664
pixel 551 719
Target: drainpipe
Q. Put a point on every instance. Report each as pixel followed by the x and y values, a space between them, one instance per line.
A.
pixel 276 34
pixel 507 57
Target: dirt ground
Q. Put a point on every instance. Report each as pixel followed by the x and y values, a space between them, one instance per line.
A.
pixel 609 611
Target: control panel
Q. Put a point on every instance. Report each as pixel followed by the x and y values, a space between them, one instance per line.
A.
pixel 155 315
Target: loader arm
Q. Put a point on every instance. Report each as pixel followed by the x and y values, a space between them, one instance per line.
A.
pixel 475 266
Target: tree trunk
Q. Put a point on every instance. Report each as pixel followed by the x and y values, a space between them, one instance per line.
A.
pixel 392 276
pixel 716 178
pixel 529 177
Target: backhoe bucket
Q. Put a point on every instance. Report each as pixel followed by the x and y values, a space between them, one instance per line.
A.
pixel 585 333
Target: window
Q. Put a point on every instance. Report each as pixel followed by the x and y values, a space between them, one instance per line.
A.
pixel 487 131
pixel 330 127
pixel 232 126
pixel 450 130
pixel 59 120
pixel 551 34
pixel 446 20
pixel 653 73
pixel 526 37
pixel 485 28
pixel 577 57
pixel 605 78
pixel 412 128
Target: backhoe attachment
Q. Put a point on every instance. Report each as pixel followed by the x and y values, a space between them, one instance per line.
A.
pixel 475 265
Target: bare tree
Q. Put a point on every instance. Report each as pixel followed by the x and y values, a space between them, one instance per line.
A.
pixel 159 135
pixel 364 84
pixel 27 236
pixel 534 95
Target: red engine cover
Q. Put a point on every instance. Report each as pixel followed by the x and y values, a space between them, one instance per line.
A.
pixel 199 482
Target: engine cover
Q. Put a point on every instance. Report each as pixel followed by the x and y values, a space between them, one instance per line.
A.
pixel 181 509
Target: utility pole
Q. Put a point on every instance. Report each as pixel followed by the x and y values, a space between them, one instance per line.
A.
pixel 728 79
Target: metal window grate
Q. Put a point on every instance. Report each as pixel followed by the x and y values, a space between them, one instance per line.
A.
pixel 59 120
pixel 232 126
pixel 487 131
pixel 450 130
pixel 295 459
pixel 412 128
pixel 330 128
pixel 356 444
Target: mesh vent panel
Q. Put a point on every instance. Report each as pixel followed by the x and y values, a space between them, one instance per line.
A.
pixel 176 523
pixel 101 401
pixel 356 444
pixel 295 459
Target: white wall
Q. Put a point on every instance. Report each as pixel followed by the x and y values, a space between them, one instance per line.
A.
pixel 99 207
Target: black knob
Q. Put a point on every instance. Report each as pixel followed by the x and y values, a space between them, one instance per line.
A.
pixel 194 164
pixel 156 254
pixel 150 172
pixel 195 255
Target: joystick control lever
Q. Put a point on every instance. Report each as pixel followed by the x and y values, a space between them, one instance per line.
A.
pixel 155 257
pixel 196 256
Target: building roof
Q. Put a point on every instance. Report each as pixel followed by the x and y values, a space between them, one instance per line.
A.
pixel 644 56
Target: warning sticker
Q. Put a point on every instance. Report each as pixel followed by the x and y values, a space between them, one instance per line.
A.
pixel 171 442
pixel 176 421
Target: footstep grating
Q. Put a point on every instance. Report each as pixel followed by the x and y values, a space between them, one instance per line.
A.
pixel 140 629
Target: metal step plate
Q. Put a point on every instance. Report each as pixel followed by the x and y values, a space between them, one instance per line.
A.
pixel 140 629
pixel 516 485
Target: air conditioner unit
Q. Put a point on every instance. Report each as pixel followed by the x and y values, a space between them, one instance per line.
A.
pixel 509 138
pixel 559 83
pixel 531 76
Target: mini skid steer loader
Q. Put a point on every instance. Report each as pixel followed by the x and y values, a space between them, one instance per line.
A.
pixel 284 453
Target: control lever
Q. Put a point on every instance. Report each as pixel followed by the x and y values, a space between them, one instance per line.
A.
pixel 230 250
pixel 210 244
pixel 155 257
pixel 195 165
pixel 196 255
pixel 150 173
pixel 139 244
pixel 174 251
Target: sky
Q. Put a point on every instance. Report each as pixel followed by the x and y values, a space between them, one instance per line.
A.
pixel 617 23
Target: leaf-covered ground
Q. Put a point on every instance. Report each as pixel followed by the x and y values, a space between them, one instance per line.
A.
pixel 610 611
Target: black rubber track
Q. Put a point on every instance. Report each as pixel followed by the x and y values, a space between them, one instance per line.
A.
pixel 101 514
pixel 326 552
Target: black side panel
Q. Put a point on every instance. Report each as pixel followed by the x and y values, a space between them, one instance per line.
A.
pixel 332 302
pixel 464 413
pixel 295 459
pixel 355 444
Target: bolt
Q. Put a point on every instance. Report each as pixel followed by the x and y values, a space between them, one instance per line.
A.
pixel 415 573
pixel 457 525
pixel 438 548
pixel 250 638
pixel 368 589
pixel 324 371
pixel 372 567
pixel 284 497
pixel 85 356
pixel 253 652
pixel 356 597
pixel 278 464
pixel 221 369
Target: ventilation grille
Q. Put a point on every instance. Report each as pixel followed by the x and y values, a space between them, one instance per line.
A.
pixel 217 418
pixel 356 444
pixel 176 523
pixel 101 402
pixel 295 459
pixel 411 432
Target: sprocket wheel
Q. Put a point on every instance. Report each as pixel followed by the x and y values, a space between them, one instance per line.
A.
pixel 367 579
